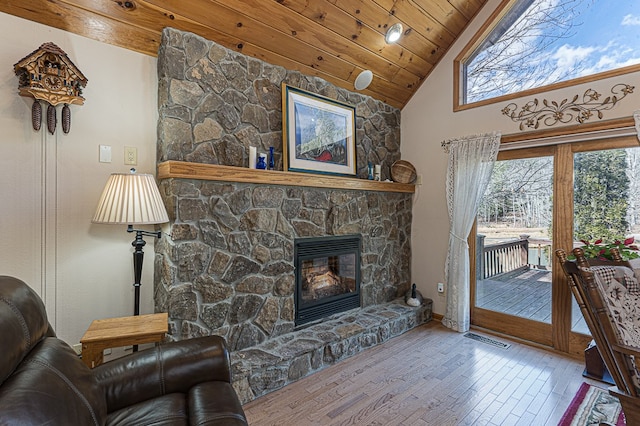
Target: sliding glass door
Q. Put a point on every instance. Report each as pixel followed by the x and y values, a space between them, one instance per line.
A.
pixel 513 291
pixel 539 200
pixel 606 200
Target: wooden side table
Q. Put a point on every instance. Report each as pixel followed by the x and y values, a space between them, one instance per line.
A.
pixel 123 331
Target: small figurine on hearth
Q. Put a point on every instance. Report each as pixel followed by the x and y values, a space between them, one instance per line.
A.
pixel 413 297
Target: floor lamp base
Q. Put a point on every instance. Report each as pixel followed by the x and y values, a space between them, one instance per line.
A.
pixel 138 257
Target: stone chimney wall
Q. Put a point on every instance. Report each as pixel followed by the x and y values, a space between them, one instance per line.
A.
pixel 226 266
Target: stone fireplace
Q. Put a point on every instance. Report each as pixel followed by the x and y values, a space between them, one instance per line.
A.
pixel 327 273
pixel 227 266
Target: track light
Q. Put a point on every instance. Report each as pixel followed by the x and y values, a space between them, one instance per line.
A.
pixel 394 33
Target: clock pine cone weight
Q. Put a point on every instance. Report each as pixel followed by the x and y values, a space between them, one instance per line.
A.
pixel 66 118
pixel 52 121
pixel 36 115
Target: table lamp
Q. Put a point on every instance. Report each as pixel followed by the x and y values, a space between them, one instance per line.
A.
pixel 132 199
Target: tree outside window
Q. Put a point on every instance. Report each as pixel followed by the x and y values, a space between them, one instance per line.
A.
pixel 540 42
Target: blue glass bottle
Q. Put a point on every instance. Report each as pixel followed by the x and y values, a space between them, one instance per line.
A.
pixel 272 161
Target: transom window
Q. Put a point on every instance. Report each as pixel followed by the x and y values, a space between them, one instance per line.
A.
pixel 536 43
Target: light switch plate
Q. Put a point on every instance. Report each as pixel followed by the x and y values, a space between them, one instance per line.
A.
pixel 105 153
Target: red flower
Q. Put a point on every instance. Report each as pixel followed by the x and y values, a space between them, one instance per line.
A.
pixel 629 240
pixel 598 241
pixel 585 242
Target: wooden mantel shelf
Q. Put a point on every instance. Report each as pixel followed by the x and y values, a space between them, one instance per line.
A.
pixel 186 170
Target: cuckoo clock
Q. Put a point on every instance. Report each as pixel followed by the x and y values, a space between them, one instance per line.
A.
pixel 48 74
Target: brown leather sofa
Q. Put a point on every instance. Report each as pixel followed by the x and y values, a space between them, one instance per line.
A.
pixel 42 380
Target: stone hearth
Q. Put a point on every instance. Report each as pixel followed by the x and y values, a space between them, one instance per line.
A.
pixel 285 359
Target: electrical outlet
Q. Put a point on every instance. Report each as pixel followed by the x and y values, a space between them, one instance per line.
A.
pixel 440 287
pixel 130 155
pixel 419 180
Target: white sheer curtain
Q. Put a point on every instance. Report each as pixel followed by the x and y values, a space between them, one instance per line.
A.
pixel 636 117
pixel 471 161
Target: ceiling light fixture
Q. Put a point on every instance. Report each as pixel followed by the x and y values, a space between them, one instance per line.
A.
pixel 363 80
pixel 393 33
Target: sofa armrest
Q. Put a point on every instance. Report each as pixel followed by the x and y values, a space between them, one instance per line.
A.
pixel 166 368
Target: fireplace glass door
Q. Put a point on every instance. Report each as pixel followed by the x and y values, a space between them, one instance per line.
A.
pixel 327 276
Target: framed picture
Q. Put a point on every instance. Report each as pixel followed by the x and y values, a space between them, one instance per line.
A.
pixel 319 134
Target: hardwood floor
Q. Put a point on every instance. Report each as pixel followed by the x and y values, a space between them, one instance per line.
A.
pixel 430 376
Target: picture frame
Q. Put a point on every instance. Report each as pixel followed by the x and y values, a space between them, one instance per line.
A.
pixel 319 134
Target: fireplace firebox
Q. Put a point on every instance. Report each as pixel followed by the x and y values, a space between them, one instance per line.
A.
pixel 327 276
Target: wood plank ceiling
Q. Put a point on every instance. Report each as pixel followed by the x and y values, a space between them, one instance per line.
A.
pixel 331 39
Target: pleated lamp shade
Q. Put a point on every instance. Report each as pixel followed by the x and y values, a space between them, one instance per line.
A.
pixel 130 199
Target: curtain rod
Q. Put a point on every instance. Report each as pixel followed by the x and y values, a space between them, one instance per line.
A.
pixel 445 144
pixel 575 137
pixel 626 128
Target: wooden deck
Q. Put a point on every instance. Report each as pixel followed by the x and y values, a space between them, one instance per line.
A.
pixel 525 294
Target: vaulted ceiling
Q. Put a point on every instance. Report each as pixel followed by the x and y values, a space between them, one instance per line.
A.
pixel 332 39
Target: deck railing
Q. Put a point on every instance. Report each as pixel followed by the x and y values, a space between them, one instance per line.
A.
pixel 497 259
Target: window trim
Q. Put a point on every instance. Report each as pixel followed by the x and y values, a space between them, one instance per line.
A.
pixel 599 130
pixel 459 80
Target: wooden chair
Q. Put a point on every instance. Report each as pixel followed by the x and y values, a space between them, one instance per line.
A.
pixel 608 295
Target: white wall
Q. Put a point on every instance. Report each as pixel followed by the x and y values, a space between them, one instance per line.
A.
pixel 50 184
pixel 428 119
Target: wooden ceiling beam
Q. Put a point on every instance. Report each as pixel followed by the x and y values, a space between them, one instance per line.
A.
pixel 149 17
pixel 60 15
